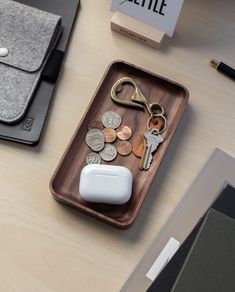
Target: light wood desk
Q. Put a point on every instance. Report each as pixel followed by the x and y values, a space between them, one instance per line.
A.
pixel 45 246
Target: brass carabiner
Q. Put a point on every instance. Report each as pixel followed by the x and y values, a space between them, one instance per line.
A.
pixel 117 87
pixel 138 98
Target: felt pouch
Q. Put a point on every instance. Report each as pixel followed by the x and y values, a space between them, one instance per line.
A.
pixel 27 38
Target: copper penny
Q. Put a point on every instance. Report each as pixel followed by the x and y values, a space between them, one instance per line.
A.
pixel 138 146
pixel 124 133
pixel 158 124
pixel 95 125
pixel 124 148
pixel 110 135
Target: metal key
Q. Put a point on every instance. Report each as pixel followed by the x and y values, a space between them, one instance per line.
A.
pixel 152 141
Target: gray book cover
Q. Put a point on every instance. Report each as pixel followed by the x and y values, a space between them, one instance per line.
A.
pixel 217 172
pixel 210 263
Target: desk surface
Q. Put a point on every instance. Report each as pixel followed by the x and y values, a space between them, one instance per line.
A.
pixel 45 246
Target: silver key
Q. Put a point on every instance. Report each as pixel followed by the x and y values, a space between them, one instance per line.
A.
pixel 152 141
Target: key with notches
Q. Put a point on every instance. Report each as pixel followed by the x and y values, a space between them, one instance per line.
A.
pixel 152 141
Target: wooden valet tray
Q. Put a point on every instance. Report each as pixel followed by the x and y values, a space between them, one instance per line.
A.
pixel 65 181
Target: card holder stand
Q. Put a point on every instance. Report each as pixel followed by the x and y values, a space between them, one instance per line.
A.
pixel 28 130
pixel 137 30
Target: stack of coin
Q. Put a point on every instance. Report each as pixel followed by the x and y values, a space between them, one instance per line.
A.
pixel 124 147
pixel 102 133
pixel 95 139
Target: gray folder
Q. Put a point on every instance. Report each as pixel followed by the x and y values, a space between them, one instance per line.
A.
pixel 29 129
pixel 218 170
pixel 29 38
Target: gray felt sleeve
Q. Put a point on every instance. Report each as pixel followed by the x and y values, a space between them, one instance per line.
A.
pixel 29 35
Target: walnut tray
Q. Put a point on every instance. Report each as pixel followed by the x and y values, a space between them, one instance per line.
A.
pixel 65 181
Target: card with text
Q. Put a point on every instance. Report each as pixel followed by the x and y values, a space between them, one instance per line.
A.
pixel 162 14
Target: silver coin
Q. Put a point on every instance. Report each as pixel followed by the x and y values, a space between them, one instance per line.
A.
pixel 111 120
pixel 109 152
pixel 95 139
pixel 93 158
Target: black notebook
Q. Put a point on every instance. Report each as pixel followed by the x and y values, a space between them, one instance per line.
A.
pixel 210 264
pixel 225 203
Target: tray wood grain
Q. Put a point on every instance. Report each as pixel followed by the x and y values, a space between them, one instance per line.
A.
pixel 65 181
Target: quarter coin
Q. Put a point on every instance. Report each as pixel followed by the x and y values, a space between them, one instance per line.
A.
pixel 111 120
pixel 124 133
pixel 95 125
pixel 110 135
pixel 109 152
pixel 95 139
pixel 93 158
pixel 124 148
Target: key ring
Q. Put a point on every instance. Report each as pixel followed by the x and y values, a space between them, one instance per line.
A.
pixel 158 116
pixel 138 98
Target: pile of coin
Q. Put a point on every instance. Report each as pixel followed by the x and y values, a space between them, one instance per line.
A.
pixel 102 133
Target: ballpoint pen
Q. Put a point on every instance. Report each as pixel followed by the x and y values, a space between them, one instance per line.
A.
pixel 223 68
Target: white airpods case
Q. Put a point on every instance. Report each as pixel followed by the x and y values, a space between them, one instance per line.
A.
pixel 108 184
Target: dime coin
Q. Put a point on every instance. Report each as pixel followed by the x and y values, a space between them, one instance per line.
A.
pixel 95 125
pixel 124 148
pixel 93 158
pixel 109 152
pixel 95 139
pixel 110 135
pixel 111 120
pixel 138 146
pixel 124 133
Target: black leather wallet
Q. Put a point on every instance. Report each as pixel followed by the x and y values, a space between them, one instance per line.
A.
pixel 28 129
